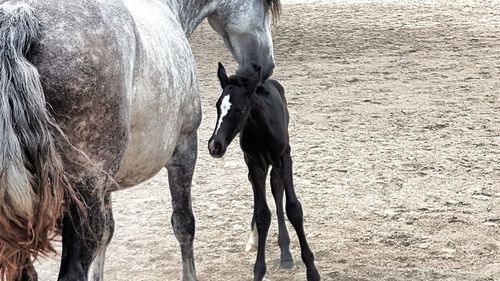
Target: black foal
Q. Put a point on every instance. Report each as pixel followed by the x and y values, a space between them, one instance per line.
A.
pixel 258 112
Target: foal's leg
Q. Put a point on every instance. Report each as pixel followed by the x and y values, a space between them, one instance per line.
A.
pixel 96 272
pixel 296 217
pixel 254 237
pixel 180 175
pixel 79 235
pixel 286 260
pixel 257 172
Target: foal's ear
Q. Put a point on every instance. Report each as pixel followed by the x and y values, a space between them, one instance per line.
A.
pixel 256 75
pixel 221 73
pixel 254 79
pixel 258 69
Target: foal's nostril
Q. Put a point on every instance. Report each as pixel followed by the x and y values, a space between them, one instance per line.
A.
pixel 211 147
pixel 214 148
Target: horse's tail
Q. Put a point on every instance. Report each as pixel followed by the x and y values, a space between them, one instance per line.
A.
pixel 32 185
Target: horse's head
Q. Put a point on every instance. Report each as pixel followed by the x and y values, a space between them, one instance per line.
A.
pixel 233 106
pixel 245 28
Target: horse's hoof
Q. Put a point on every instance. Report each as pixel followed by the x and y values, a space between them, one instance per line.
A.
pixel 286 264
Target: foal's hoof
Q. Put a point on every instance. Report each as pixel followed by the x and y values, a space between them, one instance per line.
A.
pixel 286 264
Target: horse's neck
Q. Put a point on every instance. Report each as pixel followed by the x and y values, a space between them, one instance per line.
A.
pixel 192 12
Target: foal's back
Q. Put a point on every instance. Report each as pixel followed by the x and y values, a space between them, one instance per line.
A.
pixel 275 86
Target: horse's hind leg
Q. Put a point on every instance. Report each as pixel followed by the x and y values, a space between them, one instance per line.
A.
pixel 180 175
pixel 295 215
pixel 286 260
pixel 79 234
pixel 28 272
pixel 96 272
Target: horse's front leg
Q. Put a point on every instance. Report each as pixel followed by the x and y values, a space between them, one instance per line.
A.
pixel 81 233
pixel 180 175
pixel 96 272
pixel 257 172
pixel 286 259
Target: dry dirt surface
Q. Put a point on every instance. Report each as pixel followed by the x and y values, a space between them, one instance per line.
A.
pixel 395 131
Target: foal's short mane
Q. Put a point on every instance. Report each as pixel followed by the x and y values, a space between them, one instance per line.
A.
pixel 244 72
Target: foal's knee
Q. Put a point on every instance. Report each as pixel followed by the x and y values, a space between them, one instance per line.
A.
pixel 263 218
pixel 294 212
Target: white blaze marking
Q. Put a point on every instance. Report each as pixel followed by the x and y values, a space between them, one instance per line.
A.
pixel 224 109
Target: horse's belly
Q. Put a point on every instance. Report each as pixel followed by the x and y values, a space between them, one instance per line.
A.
pixel 164 99
pixel 153 136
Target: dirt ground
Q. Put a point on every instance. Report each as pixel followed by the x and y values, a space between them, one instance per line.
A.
pixel 395 128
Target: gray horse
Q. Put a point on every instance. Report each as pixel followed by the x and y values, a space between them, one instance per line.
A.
pixel 97 96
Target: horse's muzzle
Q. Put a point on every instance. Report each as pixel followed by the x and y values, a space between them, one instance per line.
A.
pixel 267 71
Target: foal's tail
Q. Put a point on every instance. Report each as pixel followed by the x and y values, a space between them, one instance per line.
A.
pixel 32 184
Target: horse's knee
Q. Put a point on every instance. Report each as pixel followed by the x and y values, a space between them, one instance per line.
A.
pixel 109 230
pixel 109 221
pixel 183 224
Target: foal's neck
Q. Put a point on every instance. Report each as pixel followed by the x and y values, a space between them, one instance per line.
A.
pixel 259 110
pixel 192 12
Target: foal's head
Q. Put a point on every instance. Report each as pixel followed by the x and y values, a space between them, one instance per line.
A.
pixel 233 106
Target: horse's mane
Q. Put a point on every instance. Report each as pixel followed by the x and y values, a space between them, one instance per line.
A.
pixel 275 8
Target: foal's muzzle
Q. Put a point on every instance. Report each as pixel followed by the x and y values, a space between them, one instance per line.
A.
pixel 216 149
